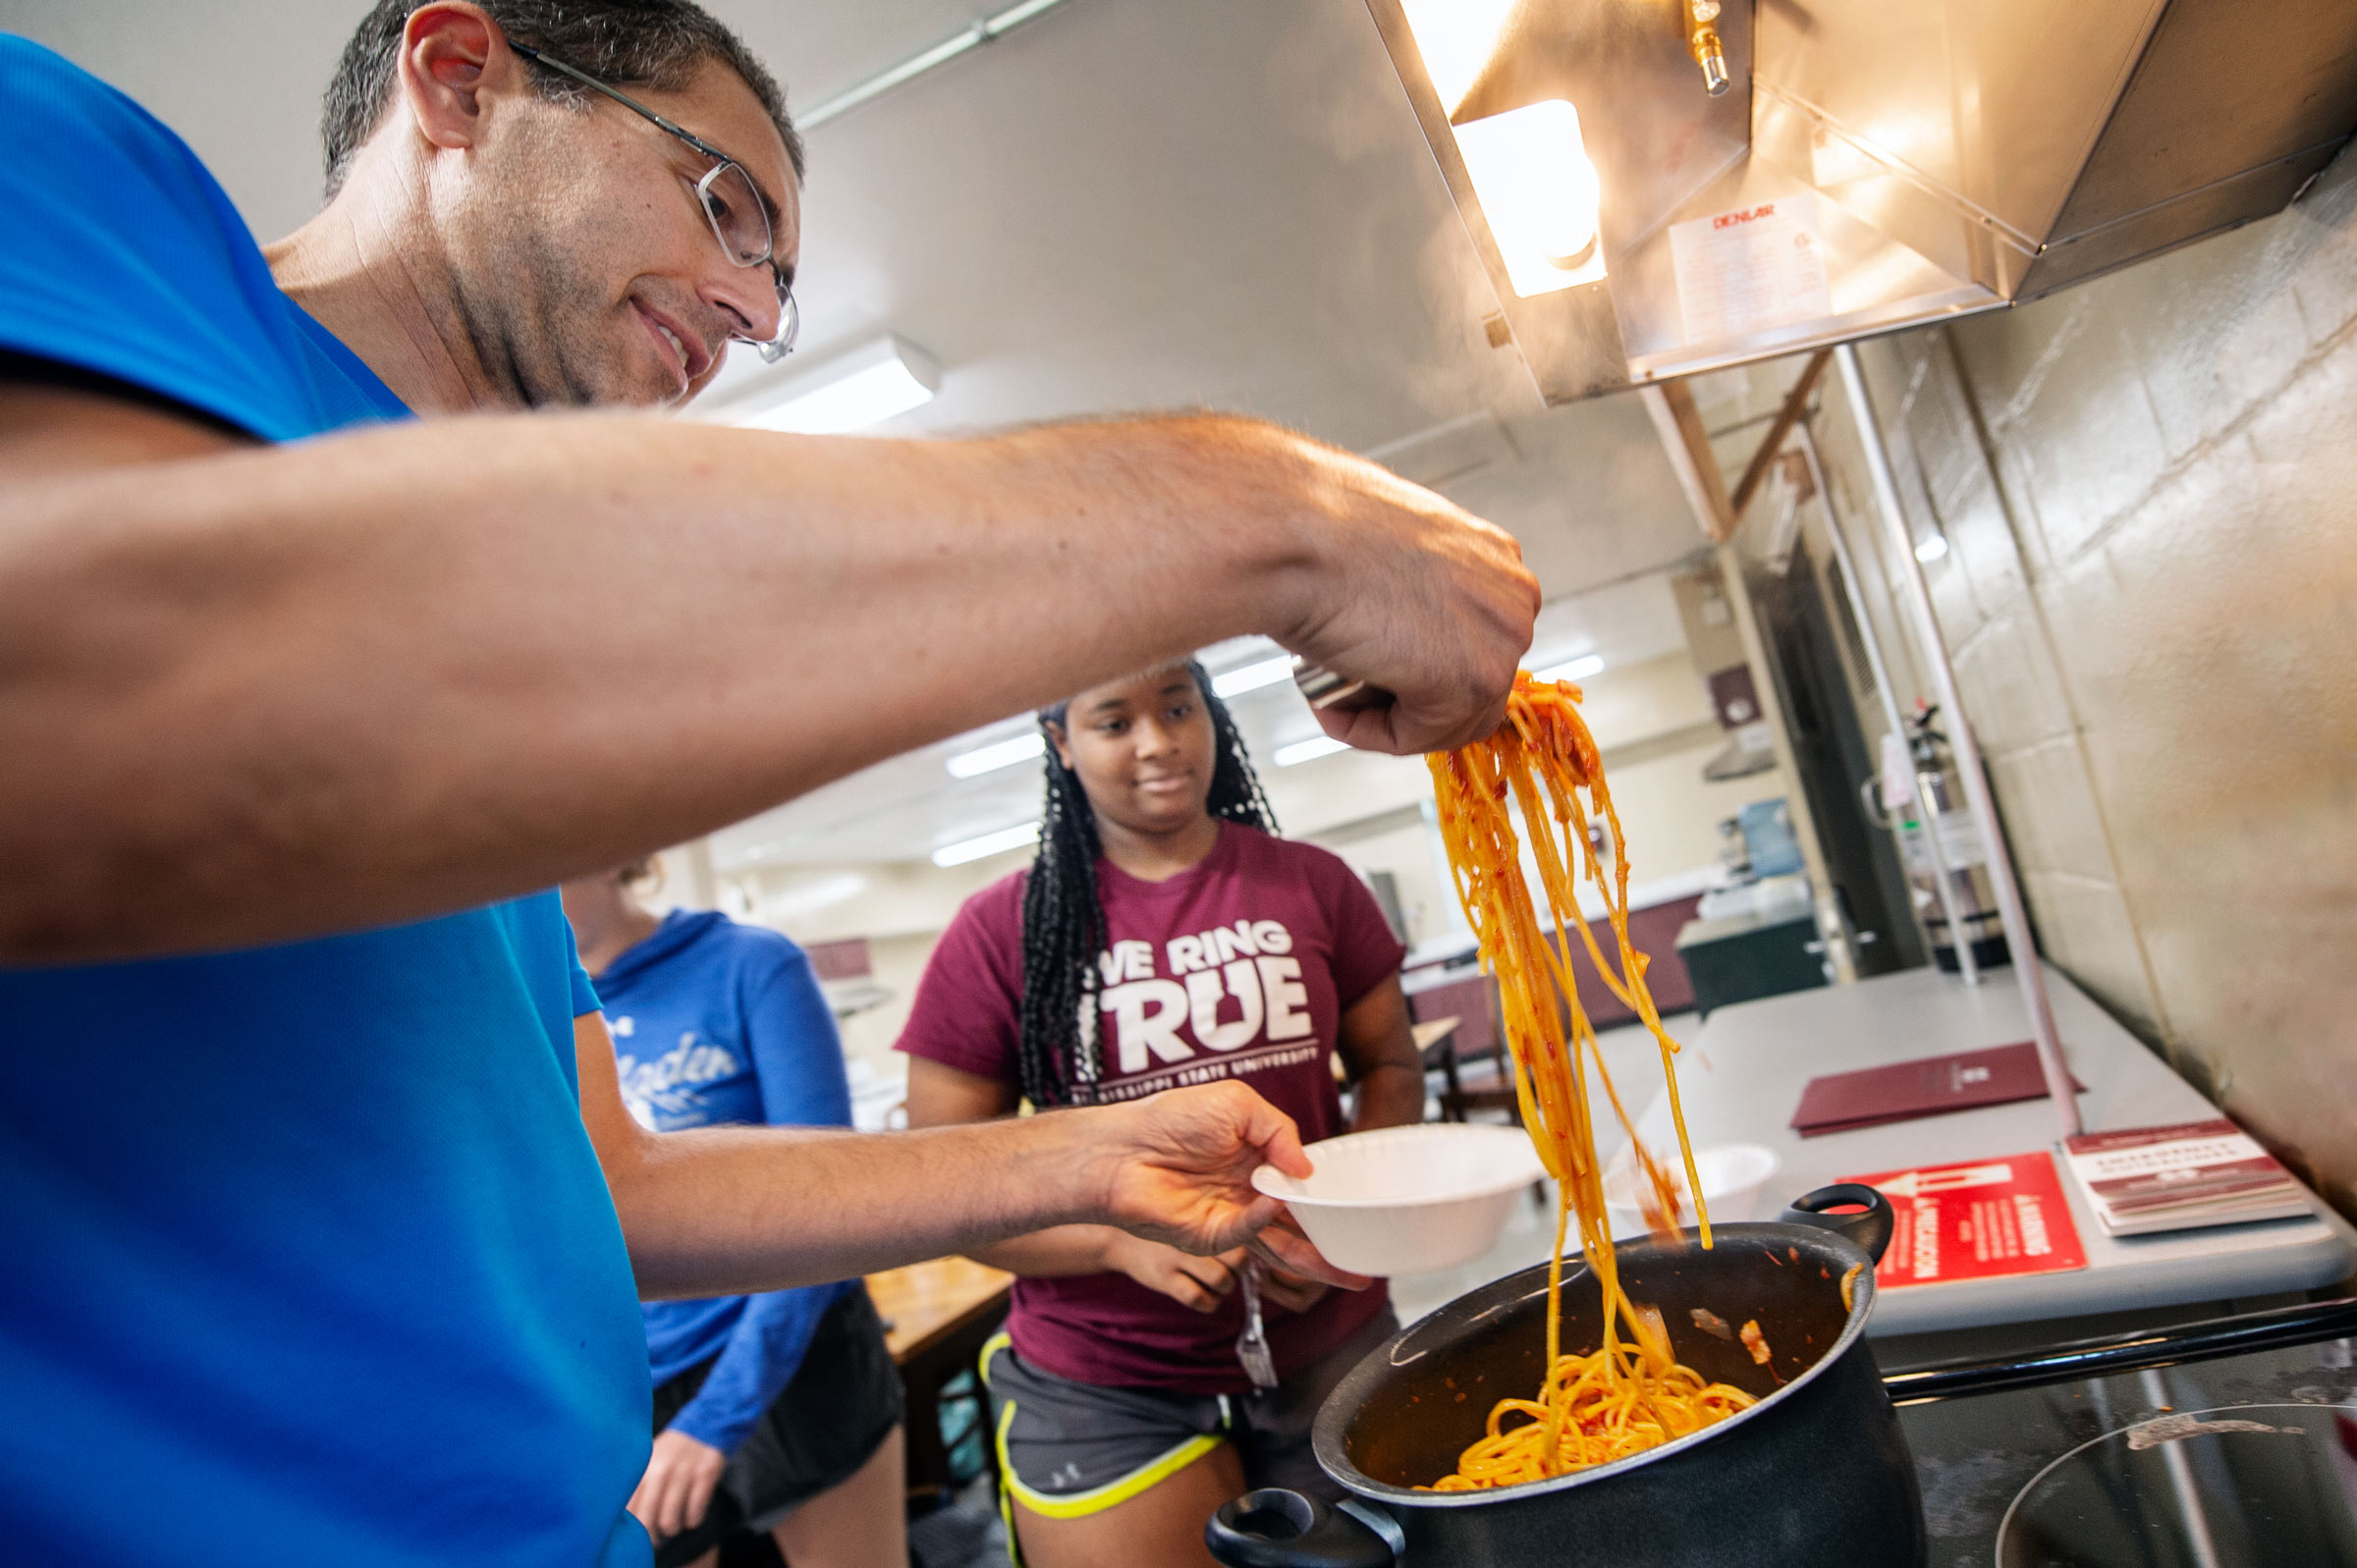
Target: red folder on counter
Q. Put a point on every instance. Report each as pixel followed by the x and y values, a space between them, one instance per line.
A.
pixel 1933 1086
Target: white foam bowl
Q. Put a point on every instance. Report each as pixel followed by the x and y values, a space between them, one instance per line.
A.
pixel 1732 1174
pixel 1402 1200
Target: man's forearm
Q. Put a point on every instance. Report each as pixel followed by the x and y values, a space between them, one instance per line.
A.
pixel 713 1211
pixel 726 1210
pixel 289 691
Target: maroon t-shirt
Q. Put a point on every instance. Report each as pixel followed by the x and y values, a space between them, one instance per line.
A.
pixel 1239 968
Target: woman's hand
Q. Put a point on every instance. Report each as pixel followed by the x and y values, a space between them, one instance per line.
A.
pixel 1289 1292
pixel 677 1488
pixel 1197 1282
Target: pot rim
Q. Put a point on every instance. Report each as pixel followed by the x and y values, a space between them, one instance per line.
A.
pixel 1349 1395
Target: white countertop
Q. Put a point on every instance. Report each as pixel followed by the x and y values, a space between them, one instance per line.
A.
pixel 1741 1076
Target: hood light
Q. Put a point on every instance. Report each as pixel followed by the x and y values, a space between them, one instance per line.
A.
pixel 1539 191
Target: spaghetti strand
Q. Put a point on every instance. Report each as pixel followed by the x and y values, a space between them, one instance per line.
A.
pixel 1630 1393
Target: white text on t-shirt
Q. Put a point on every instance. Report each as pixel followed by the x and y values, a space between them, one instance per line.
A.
pixel 1249 964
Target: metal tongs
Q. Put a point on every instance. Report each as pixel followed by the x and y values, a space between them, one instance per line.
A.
pixel 1252 1345
pixel 1325 688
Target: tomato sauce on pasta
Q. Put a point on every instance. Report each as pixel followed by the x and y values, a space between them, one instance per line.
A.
pixel 1630 1393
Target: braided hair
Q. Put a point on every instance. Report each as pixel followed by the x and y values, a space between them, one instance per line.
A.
pixel 1063 917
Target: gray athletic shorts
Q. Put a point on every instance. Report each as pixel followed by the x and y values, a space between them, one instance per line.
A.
pixel 1067 1449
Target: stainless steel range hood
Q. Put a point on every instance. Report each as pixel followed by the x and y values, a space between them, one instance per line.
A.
pixel 1869 164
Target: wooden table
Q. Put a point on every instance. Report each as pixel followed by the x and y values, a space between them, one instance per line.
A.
pixel 937 1316
pixel 1432 1037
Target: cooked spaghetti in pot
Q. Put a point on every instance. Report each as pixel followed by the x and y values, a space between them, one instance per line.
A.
pixel 1630 1393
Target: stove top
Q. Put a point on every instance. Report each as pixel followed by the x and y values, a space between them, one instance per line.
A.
pixel 2245 1462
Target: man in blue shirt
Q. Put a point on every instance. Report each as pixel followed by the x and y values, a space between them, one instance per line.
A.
pixel 323 1212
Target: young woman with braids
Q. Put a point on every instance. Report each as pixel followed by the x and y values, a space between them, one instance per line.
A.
pixel 1163 936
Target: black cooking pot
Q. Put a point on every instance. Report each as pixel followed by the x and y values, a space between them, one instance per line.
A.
pixel 1816 1472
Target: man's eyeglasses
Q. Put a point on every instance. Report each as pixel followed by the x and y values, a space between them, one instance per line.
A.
pixel 732 204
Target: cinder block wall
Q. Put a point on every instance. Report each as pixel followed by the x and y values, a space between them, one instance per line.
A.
pixel 2149 489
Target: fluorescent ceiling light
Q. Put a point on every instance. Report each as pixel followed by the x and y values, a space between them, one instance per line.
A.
pixel 1253 677
pixel 1308 750
pixel 1931 548
pixel 996 755
pixel 1579 669
pixel 865 387
pixel 1538 193
pixel 990 844
pixel 1457 38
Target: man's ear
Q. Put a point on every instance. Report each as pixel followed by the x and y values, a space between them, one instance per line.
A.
pixel 452 55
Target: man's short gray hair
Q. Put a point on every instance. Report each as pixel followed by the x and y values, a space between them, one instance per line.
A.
pixel 629 43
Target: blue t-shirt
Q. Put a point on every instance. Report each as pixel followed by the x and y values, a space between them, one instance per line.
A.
pixel 305 1255
pixel 718 1024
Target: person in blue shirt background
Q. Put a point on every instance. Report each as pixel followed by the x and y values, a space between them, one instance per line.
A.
pixel 324 1221
pixel 787 1403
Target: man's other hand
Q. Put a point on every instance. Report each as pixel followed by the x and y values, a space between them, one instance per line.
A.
pixel 1178 1167
pixel 677 1488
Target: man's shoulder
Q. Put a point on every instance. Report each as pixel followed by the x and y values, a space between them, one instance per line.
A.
pixel 107 168
pixel 40 82
pixel 531 926
pixel 126 260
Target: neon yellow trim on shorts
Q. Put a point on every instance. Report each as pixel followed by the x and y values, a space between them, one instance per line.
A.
pixel 1095 1500
pixel 996 1342
pixel 991 1347
pixel 1079 1504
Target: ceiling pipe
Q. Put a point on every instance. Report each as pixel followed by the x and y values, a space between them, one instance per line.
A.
pixel 989 30
pixel 1916 594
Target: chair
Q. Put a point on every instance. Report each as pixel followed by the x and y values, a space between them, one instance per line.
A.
pixel 1471 1064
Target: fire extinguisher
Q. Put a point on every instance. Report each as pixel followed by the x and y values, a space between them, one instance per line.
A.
pixel 1937 840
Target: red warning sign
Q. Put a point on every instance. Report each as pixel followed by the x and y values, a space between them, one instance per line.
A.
pixel 1977 1219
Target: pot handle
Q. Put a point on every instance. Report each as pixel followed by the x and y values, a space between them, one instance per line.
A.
pixel 1274 1527
pixel 1871 1230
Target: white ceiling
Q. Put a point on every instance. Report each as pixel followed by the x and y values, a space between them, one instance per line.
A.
pixel 1124 206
